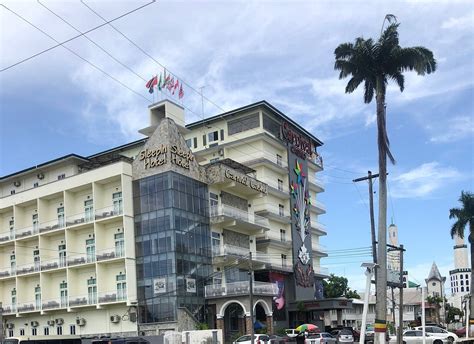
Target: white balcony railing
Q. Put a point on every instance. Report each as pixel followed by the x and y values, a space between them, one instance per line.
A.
pixel 225 250
pixel 273 209
pixel 27 231
pixel 276 236
pixel 9 309
pixel 108 212
pixel 240 288
pixel 77 219
pixel 112 296
pixel 53 263
pixel 79 259
pixel 110 253
pixel 28 268
pixel 279 187
pixel 238 214
pixel 7 271
pixel 83 300
pixel 29 306
pixel 52 225
pixel 6 236
pixel 54 303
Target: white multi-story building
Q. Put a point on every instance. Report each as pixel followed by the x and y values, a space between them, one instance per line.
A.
pixel 160 233
pixel 460 276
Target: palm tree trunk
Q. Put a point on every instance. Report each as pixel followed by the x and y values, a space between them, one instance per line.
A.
pixel 381 305
pixel 471 292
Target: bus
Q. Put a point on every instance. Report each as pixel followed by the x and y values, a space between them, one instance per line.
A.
pixel 67 339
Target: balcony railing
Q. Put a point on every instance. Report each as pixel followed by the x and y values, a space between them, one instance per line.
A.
pixel 238 214
pixel 318 247
pixel 279 187
pixel 112 296
pixel 108 212
pixel 54 304
pixel 52 225
pixel 83 300
pixel 9 309
pixel 273 209
pixel 79 259
pixel 6 236
pixel 53 263
pixel 110 253
pixel 240 288
pixel 27 231
pixel 7 271
pixel 281 162
pixel 276 236
pixel 28 268
pixel 225 250
pixel 29 306
pixel 79 218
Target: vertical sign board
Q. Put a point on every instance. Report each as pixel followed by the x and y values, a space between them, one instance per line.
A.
pixel 299 149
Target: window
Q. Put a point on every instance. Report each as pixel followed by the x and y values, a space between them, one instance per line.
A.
pixel 467 288
pixel 119 245
pixel 90 249
pixel 10 333
pixel 283 260
pixel 117 202
pixel 59 330
pixel 12 192
pixel 282 235
pixel 243 124
pixel 216 242
pixel 13 293
pixel 213 203
pixel 280 184
pixel 214 136
pixel 12 229
pixel 121 287
pixel 34 221
pixel 63 293
pixel 217 279
pixel 35 185
pixel 204 140
pixel 62 255
pixel 13 264
pixel 36 259
pixel 222 134
pixel 46 331
pixel 22 331
pixel 34 331
pixel 37 297
pixel 61 176
pixel 281 209
pixel 467 276
pixel 462 282
pixel 195 142
pixel 60 212
pixel 92 290
pixel 461 276
pixel 188 143
pixel 89 210
pixel 462 289
pixel 72 329
pixel 279 160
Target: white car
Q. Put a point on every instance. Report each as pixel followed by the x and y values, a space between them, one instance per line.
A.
pixel 247 339
pixel 416 337
pixel 436 331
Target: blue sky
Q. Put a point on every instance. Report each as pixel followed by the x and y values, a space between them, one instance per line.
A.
pixel 242 52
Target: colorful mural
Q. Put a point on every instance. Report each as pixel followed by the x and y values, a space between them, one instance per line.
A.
pixel 279 301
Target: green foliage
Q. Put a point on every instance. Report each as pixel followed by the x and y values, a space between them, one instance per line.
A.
pixel 202 326
pixel 434 300
pixel 337 286
pixel 281 331
pixel 451 312
pixel 464 216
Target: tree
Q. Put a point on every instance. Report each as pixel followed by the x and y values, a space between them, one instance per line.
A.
pixel 465 218
pixel 375 63
pixel 337 286
pixel 451 312
pixel 435 301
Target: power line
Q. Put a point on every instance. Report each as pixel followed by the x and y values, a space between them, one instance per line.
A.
pixel 72 38
pixel 92 41
pixel 76 54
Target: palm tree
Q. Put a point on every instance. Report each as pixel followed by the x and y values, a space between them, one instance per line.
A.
pixel 465 216
pixel 375 63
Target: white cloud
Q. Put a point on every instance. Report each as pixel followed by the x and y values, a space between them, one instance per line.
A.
pixel 423 181
pixel 463 22
pixel 459 128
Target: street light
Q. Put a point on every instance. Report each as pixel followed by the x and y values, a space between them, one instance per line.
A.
pixel 370 267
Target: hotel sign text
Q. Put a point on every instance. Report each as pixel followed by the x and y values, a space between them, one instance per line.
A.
pixel 245 180
pixel 158 156
pixel 300 144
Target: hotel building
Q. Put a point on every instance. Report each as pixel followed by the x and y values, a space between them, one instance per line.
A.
pixel 166 232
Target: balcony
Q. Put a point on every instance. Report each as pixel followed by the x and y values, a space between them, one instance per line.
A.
pixel 55 263
pixel 30 306
pixel 318 207
pixel 231 217
pixel 271 161
pixel 83 300
pixel 7 271
pixel 53 304
pixel 110 253
pixel 319 250
pixel 273 212
pixel 280 191
pixel 6 236
pixel 315 185
pixel 275 238
pixel 112 296
pixel 240 289
pixel 321 271
pixel 318 228
pixel 316 162
pixel 51 225
pixel 107 212
pixel 80 259
pixel 78 219
pixel 28 268
pixel 27 231
pixel 9 309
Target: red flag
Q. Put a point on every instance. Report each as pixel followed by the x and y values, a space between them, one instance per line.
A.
pixel 176 85
pixel 151 84
pixel 181 92
pixel 171 84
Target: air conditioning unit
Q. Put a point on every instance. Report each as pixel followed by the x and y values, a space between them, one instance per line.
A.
pixel 115 319
pixel 81 322
pixel 50 322
pixel 34 324
pixel 17 183
pixel 40 175
pixel 59 321
pixel 10 326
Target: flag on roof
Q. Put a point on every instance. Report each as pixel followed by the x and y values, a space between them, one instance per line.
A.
pixel 159 83
pixel 181 92
pixel 170 84
pixel 176 86
pixel 151 84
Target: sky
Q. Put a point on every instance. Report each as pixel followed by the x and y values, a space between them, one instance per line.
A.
pixel 239 52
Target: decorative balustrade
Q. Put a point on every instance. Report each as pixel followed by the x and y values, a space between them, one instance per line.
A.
pixel 52 225
pixel 110 253
pixel 83 300
pixel 108 212
pixel 112 296
pixel 240 288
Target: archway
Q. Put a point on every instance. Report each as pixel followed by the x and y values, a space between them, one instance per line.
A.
pixel 263 317
pixel 234 320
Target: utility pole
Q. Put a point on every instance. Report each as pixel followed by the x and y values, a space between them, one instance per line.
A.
pixel 369 177
pixel 252 334
pixel 400 312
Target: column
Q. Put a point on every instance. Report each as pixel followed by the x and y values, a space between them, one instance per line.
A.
pixel 269 324
pixel 220 323
pixel 339 317
pixel 248 324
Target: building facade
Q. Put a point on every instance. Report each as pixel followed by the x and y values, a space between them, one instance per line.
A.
pixel 164 232
pixel 460 276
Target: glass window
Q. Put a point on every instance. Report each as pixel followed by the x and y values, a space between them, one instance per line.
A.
pixel 279 160
pixel 195 142
pixel 91 291
pixel 63 293
pixel 121 286
pixel 282 235
pixel 34 219
pixel 60 212
pixel 90 249
pixel 117 202
pixel 59 330
pixel 89 210
pixel 22 331
pixel 46 331
pixel 280 184
pixel 37 297
pixel 188 143
pixel 62 255
pixel 222 134
pixel 204 143
pixel 214 136
pixel 34 331
pixel 243 124
pixel 281 210
pixel 119 245
pixel 72 329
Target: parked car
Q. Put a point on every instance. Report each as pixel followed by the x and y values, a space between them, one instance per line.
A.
pixel 247 339
pixel 416 337
pixel 320 338
pixel 274 339
pixel 343 336
pixel 461 332
pixel 439 332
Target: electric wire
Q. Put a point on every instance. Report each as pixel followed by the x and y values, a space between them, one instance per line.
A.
pixel 72 38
